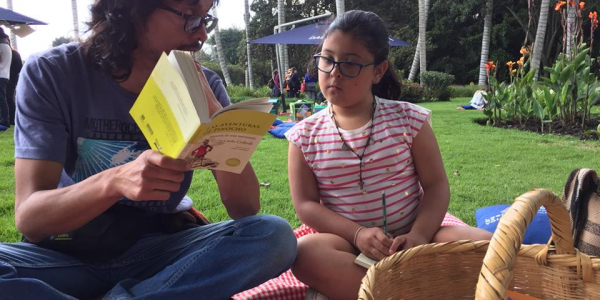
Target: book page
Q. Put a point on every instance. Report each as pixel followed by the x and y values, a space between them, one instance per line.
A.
pixel 195 82
pixel 229 140
pixel 164 110
pixel 363 261
pixel 258 104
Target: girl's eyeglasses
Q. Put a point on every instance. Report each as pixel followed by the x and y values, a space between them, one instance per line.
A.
pixel 347 68
pixel 193 22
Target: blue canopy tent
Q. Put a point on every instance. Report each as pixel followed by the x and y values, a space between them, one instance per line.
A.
pixel 308 35
pixel 13 18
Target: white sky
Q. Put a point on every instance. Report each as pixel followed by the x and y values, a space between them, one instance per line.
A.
pixel 57 13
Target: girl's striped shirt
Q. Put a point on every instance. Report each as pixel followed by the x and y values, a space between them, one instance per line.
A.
pixel 387 164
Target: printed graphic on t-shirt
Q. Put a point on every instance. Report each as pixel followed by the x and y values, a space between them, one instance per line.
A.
pixel 98 155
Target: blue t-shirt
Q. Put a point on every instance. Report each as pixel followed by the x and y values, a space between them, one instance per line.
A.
pixel 70 113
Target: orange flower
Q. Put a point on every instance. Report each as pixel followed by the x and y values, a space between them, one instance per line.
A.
pixel 581 5
pixel 559 5
pixel 521 61
pixel 489 66
pixel 594 19
pixel 524 51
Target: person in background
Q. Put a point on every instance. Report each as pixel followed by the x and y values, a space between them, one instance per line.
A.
pixel 477 102
pixel 310 83
pixel 366 173
pixel 5 60
pixel 294 83
pixel 103 215
pixel 275 90
pixel 15 68
pixel 288 84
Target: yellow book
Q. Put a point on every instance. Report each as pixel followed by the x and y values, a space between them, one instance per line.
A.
pixel 172 113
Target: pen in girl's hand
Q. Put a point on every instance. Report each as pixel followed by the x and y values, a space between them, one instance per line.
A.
pixel 385 229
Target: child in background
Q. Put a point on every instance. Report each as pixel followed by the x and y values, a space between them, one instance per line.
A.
pixel 344 157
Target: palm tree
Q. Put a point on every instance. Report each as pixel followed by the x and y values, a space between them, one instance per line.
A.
pixel 339 7
pixel 485 42
pixel 247 21
pixel 422 36
pixel 283 53
pixel 75 19
pixel 572 28
pixel 220 55
pixel 13 37
pixel 415 63
pixel 540 35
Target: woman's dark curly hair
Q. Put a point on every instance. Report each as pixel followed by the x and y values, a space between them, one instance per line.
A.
pixel 110 46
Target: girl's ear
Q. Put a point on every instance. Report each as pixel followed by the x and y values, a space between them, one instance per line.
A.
pixel 380 71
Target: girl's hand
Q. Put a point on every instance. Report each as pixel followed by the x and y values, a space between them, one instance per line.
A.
pixel 373 243
pixel 409 240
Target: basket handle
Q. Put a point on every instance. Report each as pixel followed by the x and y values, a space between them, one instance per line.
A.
pixel 499 260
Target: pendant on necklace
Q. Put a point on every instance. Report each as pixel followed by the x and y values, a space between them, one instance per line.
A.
pixel 344 147
pixel 362 164
pixel 361 184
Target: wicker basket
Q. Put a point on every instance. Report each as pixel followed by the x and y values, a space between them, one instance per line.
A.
pixel 460 270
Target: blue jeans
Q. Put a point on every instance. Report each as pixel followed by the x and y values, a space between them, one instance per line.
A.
pixel 212 261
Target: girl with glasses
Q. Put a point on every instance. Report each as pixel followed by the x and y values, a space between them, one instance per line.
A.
pixel 366 173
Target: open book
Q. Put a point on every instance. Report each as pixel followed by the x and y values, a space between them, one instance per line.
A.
pixel 172 112
pixel 363 261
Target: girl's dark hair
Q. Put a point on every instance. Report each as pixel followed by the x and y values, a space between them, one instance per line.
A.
pixel 369 29
pixel 113 38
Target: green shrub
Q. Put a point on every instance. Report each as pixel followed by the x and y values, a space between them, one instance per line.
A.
pixel 436 85
pixel 236 91
pixel 464 90
pixel 411 92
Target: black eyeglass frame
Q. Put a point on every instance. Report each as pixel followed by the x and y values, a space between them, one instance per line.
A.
pixel 338 63
pixel 198 21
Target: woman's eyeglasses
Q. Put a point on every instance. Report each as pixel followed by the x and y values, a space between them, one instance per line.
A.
pixel 193 22
pixel 347 68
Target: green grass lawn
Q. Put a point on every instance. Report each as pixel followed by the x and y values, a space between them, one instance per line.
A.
pixel 485 166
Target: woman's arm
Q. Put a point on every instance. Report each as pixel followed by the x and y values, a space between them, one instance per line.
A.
pixel 42 210
pixel 239 192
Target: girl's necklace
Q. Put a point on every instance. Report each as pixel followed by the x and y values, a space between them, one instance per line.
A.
pixel 345 145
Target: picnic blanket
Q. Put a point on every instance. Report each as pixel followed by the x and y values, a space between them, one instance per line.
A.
pixel 287 287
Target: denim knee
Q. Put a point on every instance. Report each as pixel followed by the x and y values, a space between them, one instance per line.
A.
pixel 7 271
pixel 279 243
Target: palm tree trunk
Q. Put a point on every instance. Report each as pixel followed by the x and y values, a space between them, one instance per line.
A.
pixel 75 20
pixel 283 50
pixel 485 42
pixel 340 7
pixel 222 61
pixel 570 30
pixel 247 21
pixel 415 64
pixel 540 37
pixel 423 37
pixel 13 37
